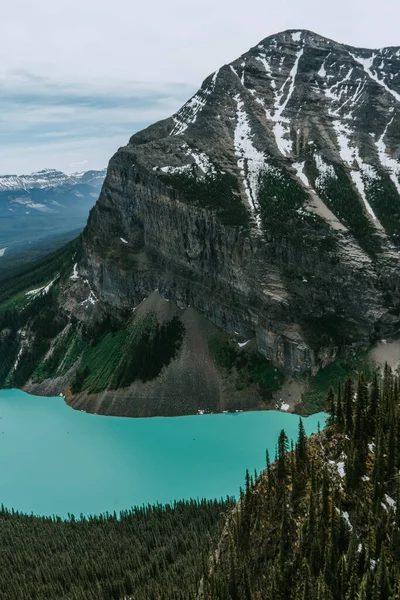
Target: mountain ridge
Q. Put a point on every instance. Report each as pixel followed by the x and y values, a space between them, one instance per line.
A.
pixel 268 204
pixel 47 178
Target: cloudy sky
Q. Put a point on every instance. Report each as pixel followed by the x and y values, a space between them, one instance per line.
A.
pixel 78 77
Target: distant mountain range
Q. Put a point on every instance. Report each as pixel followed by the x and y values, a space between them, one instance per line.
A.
pixel 50 178
pixel 43 204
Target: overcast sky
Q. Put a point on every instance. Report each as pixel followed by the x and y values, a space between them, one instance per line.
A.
pixel 78 77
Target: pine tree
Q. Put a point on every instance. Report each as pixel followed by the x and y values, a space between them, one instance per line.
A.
pixel 301 448
pixel 381 585
pixel 339 406
pixel 360 433
pixel 283 444
pixel 332 408
pixel 348 405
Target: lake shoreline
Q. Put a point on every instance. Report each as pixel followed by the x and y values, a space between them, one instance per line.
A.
pixel 58 461
pixel 121 403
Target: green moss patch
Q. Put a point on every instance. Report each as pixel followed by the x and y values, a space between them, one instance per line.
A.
pixel 249 368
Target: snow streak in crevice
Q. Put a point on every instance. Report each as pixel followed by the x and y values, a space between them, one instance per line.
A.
pixel 387 161
pixel 351 155
pixel 189 111
pixel 250 160
pixel 366 64
pixel 281 129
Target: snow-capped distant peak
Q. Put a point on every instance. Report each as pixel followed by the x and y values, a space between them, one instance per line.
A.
pixel 47 178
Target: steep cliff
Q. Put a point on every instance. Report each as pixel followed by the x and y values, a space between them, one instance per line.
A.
pixel 269 204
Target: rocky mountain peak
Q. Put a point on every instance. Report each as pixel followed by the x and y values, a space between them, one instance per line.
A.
pixel 294 143
pixel 268 204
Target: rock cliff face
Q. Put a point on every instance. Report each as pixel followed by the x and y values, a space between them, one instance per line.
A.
pixel 269 202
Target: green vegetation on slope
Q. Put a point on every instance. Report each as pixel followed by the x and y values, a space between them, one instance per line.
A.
pixel 322 523
pixel 66 351
pixel 216 191
pixel 315 397
pixel 19 357
pixel 249 368
pixel 384 200
pixel 148 553
pixel 117 358
pixel 16 262
pixel 44 270
pixel 340 196
pixel 281 201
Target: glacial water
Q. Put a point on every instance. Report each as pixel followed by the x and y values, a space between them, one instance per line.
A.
pixel 55 460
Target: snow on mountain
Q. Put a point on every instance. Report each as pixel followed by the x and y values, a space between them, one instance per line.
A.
pixel 48 178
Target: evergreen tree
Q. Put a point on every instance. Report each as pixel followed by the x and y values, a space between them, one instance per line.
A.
pixel 348 405
pixel 283 444
pixel 332 408
pixel 339 407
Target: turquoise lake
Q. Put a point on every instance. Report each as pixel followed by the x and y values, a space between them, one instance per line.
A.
pixel 55 460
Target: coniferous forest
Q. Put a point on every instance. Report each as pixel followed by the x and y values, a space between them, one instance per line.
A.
pixel 320 523
pixel 148 553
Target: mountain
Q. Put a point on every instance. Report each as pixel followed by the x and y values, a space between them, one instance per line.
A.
pixel 253 234
pixel 49 178
pixel 33 207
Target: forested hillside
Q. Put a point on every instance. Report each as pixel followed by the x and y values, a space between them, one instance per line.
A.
pixel 148 553
pixel 322 522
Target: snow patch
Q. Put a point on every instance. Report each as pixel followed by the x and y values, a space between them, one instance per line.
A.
pixel 123 241
pixel 202 161
pixel 366 64
pixel 263 60
pixel 42 290
pixel 346 517
pixel 351 155
pixel 180 169
pixel 390 501
pixel 187 115
pixel 281 129
pixel 75 275
pixel 285 407
pixel 387 161
pixel 243 344
pixel 296 36
pixel 18 357
pixel 250 160
pixel 92 298
pixel 300 173
pixel 325 171
pixel 358 181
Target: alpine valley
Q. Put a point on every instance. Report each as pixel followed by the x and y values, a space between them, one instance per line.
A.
pixel 251 237
pixel 42 211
